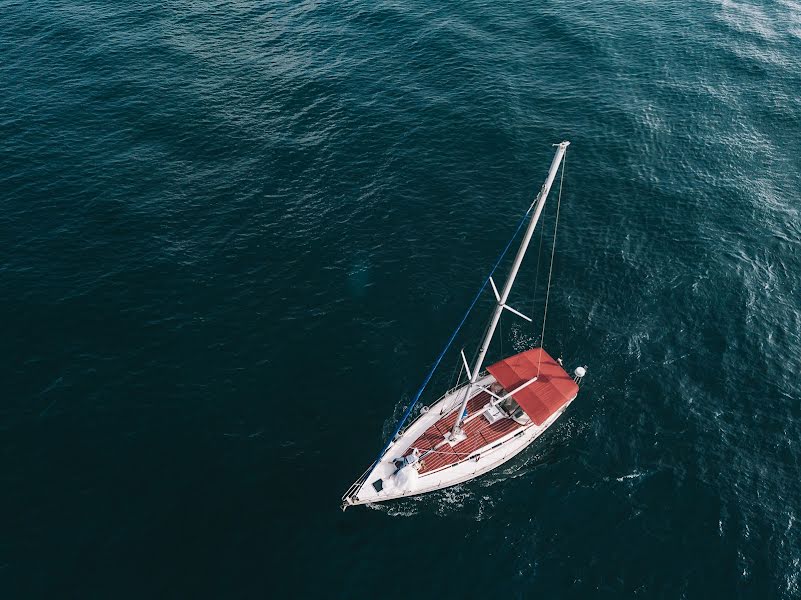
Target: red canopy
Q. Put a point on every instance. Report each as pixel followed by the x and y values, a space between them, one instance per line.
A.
pixel 549 393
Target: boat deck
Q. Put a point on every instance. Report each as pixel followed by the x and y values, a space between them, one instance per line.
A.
pixel 479 433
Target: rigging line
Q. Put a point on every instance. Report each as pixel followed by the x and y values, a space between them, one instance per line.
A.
pixel 537 276
pixel 459 378
pixel 450 341
pixel 550 269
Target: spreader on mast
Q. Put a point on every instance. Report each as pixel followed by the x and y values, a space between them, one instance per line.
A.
pixel 456 432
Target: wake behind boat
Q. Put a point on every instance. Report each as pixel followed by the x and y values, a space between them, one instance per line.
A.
pixel 476 427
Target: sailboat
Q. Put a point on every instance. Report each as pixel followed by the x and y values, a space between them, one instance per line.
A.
pixel 496 414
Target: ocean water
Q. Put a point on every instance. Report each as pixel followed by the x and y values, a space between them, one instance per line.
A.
pixel 234 235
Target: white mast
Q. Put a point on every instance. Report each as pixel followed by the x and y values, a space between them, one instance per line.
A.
pixel 456 433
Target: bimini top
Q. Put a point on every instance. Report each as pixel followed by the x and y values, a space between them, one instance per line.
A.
pixel 552 390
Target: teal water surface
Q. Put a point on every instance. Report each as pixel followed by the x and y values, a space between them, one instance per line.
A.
pixel 236 234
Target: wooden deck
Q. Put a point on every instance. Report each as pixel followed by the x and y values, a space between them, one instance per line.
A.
pixel 479 433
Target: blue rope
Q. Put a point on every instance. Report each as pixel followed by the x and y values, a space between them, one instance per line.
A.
pixel 450 341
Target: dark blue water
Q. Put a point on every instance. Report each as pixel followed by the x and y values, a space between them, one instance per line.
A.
pixel 234 236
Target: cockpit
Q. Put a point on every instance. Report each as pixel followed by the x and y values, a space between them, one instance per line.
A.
pixel 509 406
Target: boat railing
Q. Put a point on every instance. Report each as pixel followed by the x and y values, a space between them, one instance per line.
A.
pixel 354 489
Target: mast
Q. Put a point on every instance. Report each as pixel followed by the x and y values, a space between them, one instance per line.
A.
pixel 456 432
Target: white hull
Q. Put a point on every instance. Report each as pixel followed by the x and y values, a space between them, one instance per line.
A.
pixel 477 463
